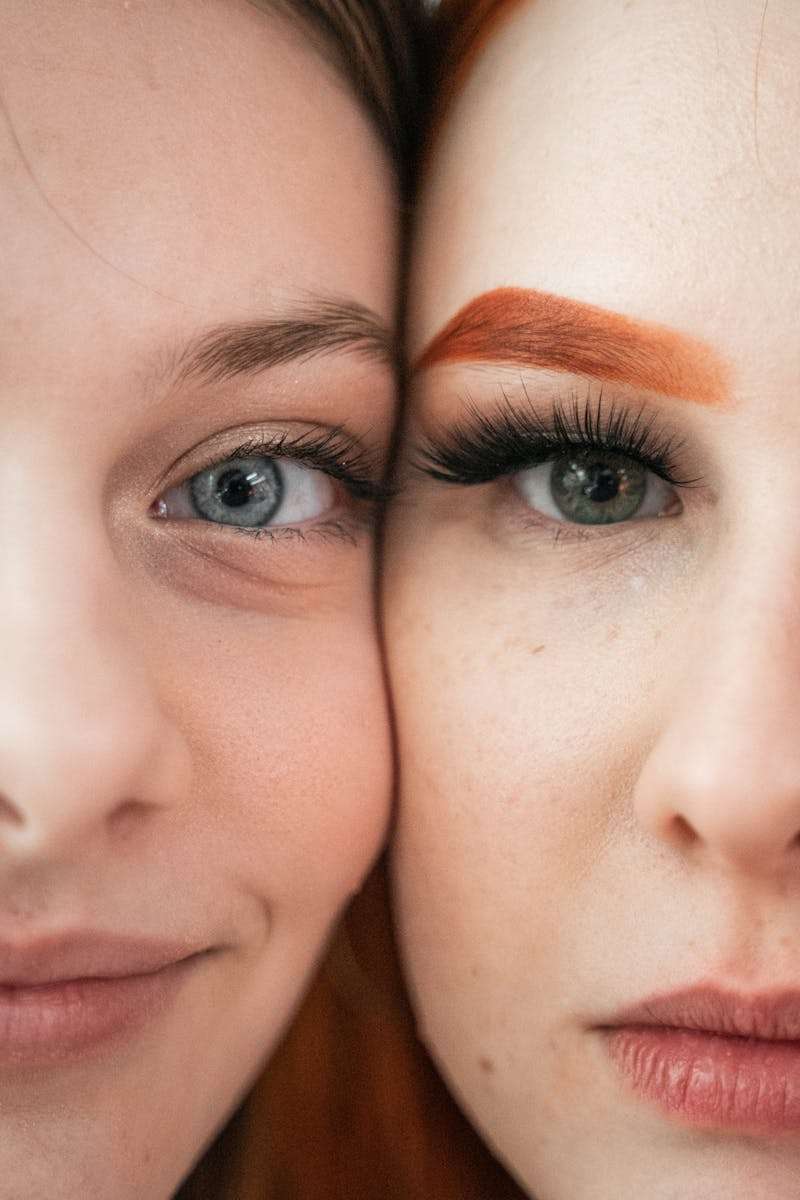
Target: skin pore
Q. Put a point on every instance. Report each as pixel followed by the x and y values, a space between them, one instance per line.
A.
pixel 596 690
pixel 197 395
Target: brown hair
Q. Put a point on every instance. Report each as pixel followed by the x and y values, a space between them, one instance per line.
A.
pixel 350 1108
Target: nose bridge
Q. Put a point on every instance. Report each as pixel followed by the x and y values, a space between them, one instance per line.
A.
pixel 722 781
pixel 82 738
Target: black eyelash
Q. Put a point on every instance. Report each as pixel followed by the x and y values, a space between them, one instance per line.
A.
pixel 333 451
pixel 488 446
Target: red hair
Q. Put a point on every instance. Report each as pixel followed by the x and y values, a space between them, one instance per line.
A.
pixel 351 1108
pixel 461 30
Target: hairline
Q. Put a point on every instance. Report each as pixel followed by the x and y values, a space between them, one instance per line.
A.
pixel 332 51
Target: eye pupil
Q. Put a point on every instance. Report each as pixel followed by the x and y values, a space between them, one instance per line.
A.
pixel 591 490
pixel 245 491
pixel 235 488
pixel 601 483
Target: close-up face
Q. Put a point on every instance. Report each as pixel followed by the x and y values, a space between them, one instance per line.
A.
pixel 197 393
pixel 592 571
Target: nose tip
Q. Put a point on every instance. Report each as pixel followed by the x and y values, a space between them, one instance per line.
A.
pixel 739 811
pixel 730 842
pixel 720 778
pixel 10 816
pixel 87 745
pixel 86 749
pixel 91 774
pixel 25 833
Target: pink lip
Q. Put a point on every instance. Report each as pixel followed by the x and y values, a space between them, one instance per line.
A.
pixel 61 996
pixel 713 1058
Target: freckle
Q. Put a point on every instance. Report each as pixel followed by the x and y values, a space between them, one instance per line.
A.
pixel 537 649
pixel 613 633
pixel 486 1065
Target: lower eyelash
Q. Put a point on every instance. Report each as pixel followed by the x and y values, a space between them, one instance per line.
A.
pixel 346 530
pixel 487 446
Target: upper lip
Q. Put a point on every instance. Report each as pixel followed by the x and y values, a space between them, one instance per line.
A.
pixel 771 1016
pixel 62 957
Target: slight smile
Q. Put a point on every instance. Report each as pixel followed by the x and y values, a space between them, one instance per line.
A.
pixel 63 995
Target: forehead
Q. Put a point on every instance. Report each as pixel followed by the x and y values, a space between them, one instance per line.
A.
pixel 631 155
pixel 205 149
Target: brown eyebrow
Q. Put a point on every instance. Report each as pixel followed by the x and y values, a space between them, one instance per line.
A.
pixel 528 328
pixel 325 327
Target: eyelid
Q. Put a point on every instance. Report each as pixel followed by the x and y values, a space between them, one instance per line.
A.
pixel 332 450
pixel 510 437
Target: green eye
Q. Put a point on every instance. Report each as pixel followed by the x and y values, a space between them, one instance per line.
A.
pixel 595 487
pixel 598 489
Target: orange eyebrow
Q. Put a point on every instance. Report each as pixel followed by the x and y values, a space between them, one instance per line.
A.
pixel 527 328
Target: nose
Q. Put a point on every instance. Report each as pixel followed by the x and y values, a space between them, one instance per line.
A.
pixel 721 784
pixel 85 746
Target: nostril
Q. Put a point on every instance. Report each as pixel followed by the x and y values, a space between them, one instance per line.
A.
pixel 9 813
pixel 682 831
pixel 127 816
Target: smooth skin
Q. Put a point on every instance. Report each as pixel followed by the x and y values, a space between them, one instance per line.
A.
pixel 600 766
pixel 193 734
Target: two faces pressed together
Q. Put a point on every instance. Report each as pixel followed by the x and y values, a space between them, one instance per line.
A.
pixel 589 587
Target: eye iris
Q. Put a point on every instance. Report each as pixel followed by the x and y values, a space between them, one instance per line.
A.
pixel 244 491
pixel 591 489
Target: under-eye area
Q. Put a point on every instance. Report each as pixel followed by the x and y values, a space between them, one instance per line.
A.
pixel 298 493
pixel 581 463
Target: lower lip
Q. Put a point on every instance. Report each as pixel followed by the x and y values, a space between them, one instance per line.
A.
pixel 59 1022
pixel 713 1081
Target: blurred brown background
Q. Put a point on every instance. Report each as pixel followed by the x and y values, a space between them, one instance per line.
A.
pixel 350 1107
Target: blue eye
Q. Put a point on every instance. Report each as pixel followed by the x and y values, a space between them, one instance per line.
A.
pixel 239 491
pixel 250 492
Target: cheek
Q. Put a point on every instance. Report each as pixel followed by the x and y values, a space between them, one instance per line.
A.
pixel 522 720
pixel 287 723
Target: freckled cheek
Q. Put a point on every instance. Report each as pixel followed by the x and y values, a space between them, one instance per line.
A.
pixel 518 720
pixel 288 728
pixel 504 805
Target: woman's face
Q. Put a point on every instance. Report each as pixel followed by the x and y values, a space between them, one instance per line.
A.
pixel 196 398
pixel 592 612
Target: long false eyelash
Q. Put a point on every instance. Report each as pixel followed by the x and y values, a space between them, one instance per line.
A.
pixel 487 446
pixel 333 451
